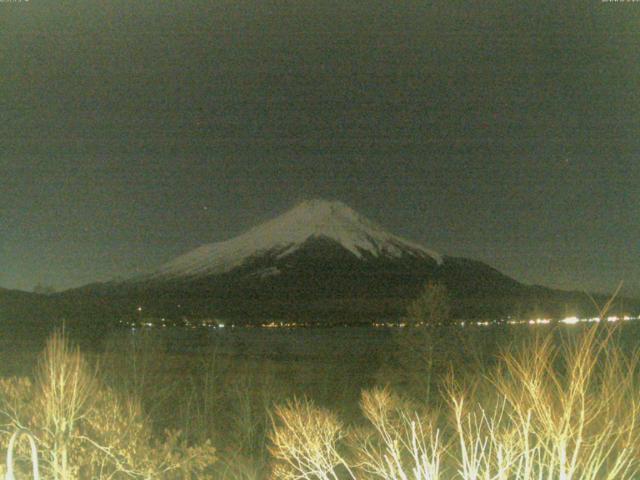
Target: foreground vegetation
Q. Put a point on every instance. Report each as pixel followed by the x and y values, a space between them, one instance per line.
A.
pixel 558 404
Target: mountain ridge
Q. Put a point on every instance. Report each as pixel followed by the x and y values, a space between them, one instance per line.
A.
pixel 320 262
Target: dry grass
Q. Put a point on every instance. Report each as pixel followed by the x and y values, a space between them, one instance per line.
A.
pixel 547 411
pixel 560 407
pixel 566 412
pixel 85 429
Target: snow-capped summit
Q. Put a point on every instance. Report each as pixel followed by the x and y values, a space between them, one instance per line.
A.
pixel 311 219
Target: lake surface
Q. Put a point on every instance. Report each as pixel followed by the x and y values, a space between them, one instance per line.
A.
pixel 343 341
pixel 310 342
pixel 266 342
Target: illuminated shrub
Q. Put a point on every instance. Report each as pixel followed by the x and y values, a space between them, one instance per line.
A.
pixel 86 430
pixel 566 412
pixel 306 442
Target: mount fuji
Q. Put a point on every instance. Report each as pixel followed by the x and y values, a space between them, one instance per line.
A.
pixel 320 260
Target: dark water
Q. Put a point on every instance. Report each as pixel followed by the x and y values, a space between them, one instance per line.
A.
pixel 361 341
pixel 267 342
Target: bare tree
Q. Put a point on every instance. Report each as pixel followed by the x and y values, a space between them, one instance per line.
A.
pixel 431 307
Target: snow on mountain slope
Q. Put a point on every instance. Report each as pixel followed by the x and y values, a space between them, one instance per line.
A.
pixel 288 232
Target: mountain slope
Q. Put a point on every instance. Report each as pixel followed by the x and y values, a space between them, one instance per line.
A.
pixel 320 260
pixel 25 314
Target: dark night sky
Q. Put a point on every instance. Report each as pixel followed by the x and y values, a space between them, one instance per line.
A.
pixel 133 131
